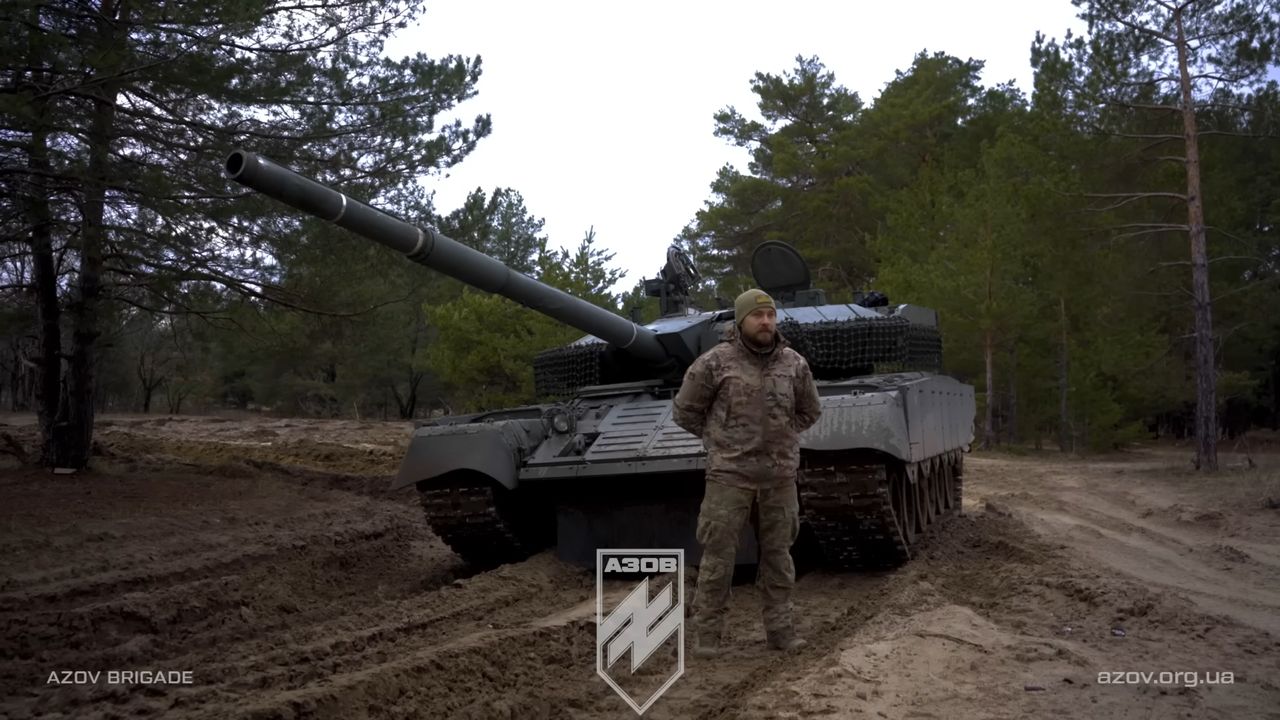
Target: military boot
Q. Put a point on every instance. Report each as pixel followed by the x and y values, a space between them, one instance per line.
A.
pixel 785 640
pixel 707 644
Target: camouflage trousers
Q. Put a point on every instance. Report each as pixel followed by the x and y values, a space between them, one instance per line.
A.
pixel 725 509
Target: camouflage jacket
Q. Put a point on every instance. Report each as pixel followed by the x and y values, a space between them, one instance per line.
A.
pixel 749 408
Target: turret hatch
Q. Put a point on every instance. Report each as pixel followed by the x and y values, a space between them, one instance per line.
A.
pixel 780 271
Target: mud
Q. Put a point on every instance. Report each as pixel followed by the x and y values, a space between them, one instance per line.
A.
pixel 267 559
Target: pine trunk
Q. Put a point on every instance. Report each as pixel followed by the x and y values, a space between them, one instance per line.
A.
pixel 48 313
pixel 1206 373
pixel 82 371
pixel 1011 433
pixel 1275 391
pixel 988 421
pixel 988 351
pixel 1064 408
pixel 48 389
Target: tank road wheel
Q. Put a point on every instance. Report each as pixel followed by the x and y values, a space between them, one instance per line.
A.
pixel 904 507
pixel 938 490
pixel 948 487
pixel 957 483
pixel 928 494
pixel 484 523
pixel 919 501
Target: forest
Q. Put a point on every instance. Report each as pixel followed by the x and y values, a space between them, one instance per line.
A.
pixel 1102 250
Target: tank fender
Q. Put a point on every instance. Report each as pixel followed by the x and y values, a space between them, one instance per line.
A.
pixel 493 448
pixel 874 421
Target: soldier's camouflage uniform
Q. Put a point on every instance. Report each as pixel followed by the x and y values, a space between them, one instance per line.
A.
pixel 749 408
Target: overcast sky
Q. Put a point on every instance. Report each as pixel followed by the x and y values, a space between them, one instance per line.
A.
pixel 602 112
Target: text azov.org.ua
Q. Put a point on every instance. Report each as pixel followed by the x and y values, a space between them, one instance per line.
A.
pixel 1185 678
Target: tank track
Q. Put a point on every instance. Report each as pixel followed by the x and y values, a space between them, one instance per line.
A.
pixel 467 518
pixel 849 507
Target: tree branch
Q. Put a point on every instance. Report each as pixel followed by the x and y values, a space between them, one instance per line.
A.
pixel 1229 234
pixel 1134 26
pixel 1202 133
pixel 1144 106
pixel 1155 226
pixel 1179 196
pixel 1131 197
pixel 1180 263
pixel 1140 136
pixel 1139 233
pixel 244 286
pixel 1250 286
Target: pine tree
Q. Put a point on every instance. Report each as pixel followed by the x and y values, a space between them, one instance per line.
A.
pixel 1162 60
pixel 120 115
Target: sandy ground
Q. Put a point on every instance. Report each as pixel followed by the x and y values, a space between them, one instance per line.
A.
pixel 267 560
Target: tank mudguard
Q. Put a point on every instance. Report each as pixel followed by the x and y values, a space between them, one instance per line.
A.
pixel 911 417
pixel 493 448
pixel 873 421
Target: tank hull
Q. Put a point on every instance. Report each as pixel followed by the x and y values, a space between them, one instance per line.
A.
pixel 881 466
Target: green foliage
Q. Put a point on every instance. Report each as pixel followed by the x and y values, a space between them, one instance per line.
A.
pixel 485 349
pixel 486 344
pixel 583 273
pixel 117 121
pixel 307 86
pixel 825 170
pixel 804 186
pixel 1011 218
pixel 498 226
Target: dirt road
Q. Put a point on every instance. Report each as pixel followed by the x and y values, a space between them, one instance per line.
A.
pixel 265 559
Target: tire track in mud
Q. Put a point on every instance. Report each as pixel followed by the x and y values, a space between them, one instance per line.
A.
pixel 195 595
pixel 525 670
pixel 846 603
pixel 301 596
pixel 446 642
pixel 544 666
pixel 385 622
pixel 1176 547
pixel 218 580
pixel 364 467
pixel 1049 616
pixel 520 642
pixel 484 601
pixel 53 588
pixel 516 641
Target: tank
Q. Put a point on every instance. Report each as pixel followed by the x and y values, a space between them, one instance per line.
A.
pixel 601 463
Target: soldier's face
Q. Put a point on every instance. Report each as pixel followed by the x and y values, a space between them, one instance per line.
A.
pixel 760 325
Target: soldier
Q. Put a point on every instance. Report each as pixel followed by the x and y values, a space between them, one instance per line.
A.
pixel 749 398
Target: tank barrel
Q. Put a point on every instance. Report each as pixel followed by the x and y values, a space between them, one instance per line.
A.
pixel 427 247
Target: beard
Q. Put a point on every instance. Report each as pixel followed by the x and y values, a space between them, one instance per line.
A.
pixel 761 339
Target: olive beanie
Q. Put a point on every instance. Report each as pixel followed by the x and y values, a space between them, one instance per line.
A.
pixel 748 301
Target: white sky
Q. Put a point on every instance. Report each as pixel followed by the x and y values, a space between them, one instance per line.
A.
pixel 602 112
